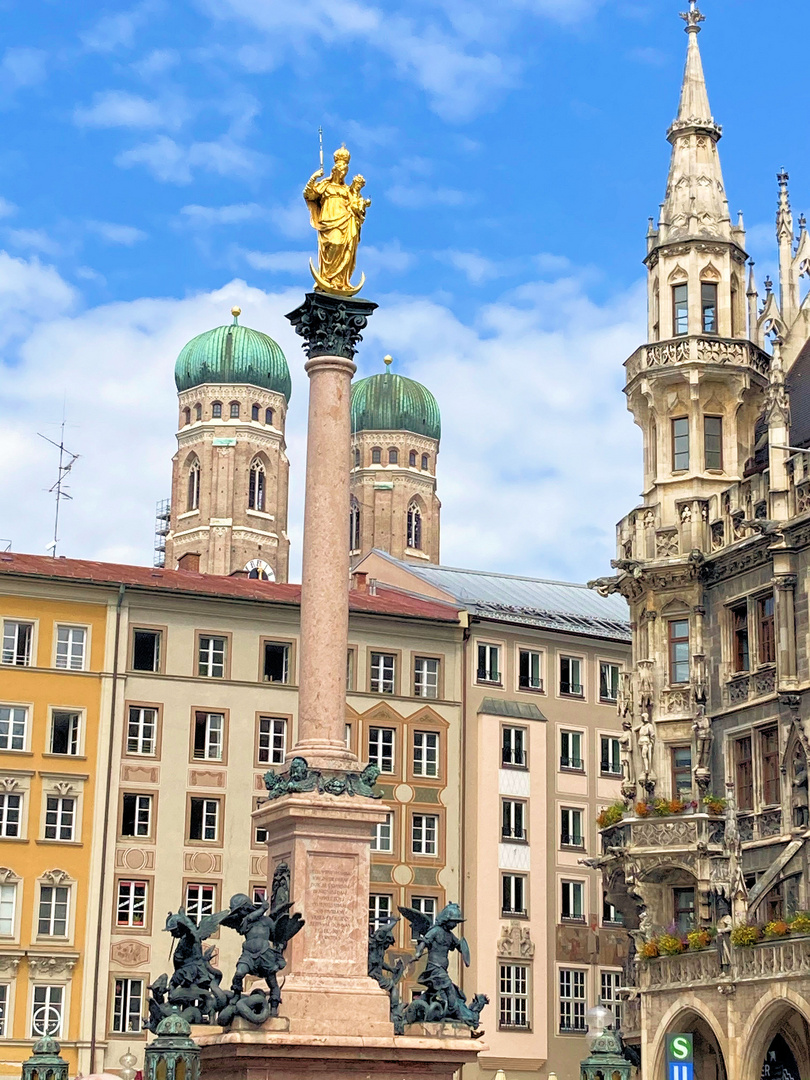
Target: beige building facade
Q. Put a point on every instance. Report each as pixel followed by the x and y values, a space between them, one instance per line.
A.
pixel 541 669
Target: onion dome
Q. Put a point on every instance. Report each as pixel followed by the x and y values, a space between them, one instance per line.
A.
pixel 233 354
pixel 390 402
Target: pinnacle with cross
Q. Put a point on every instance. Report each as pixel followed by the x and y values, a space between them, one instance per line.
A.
pixel 693 17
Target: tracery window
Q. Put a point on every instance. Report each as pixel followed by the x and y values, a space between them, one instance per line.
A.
pixel 414 527
pixel 193 500
pixel 354 525
pixel 256 486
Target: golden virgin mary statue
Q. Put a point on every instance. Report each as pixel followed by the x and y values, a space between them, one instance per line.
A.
pixel 337 211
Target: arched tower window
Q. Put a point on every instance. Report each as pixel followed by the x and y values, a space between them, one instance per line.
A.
pixel 425 463
pixel 234 410
pixel 376 455
pixel 357 457
pixel 354 525
pixel 393 456
pixel 254 413
pixel 193 500
pixel 256 486
pixel 186 416
pixel 198 411
pixel 414 527
pixel 216 410
pixel 268 416
pixel 412 459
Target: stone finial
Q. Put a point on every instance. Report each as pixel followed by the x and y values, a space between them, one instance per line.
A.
pixel 693 18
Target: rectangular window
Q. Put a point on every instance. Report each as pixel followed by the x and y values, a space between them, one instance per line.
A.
pixel 211 658
pixel 48 1011
pixel 608 682
pixel 10 811
pixel 513 819
pixel 744 773
pixel 610 761
pixel 70 646
pixel 209 728
pixel 65 727
pixel 424 834
pixel 513 996
pixel 259 894
pixel 204 819
pixel 571 676
pixel 141 731
pixel 13 725
pixel 679 651
pixel 573 900
pixel 739 629
pixel 383 838
pixel 383 673
pixel 610 985
pixel 272 740
pixel 350 669
pixel 425 904
pixel 60 818
pixel 379 911
pixel 8 908
pixel 680 444
pixel 530 670
pixel 381 748
pixel 146 650
pixel 610 914
pixel 54 901
pixel 513 894
pixel 708 307
pixel 571 834
pixel 682 772
pixel 680 310
pixel 572 1000
pixel 276 662
pixel 513 747
pixel 767 641
pixel 571 750
pixel 425 677
pixel 489 664
pixel 425 753
pixel 769 750
pixel 683 908
pixel 201 900
pixel 128 1005
pixel 18 639
pixel 3 1010
pixel 136 815
pixel 713 442
pixel 131 904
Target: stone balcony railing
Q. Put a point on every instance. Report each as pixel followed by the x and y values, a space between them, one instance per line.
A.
pixel 788 957
pixel 698 350
pixel 678 831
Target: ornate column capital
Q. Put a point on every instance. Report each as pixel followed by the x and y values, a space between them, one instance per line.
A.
pixel 331 325
pixel 785 582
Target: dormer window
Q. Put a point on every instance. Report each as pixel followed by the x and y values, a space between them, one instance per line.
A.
pixel 680 310
pixel 708 307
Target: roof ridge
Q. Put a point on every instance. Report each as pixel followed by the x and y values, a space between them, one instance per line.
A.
pixel 493 573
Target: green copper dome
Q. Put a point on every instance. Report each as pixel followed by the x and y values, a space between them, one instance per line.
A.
pixel 390 402
pixel 233 354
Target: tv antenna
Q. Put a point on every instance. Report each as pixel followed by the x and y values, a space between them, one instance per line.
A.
pixel 59 488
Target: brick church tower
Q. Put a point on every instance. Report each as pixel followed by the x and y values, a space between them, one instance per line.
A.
pixel 230 475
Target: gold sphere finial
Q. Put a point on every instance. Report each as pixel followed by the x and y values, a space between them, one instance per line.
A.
pixel 236 312
pixel 388 361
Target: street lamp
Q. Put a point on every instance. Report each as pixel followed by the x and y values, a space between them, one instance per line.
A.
pixel 606 1061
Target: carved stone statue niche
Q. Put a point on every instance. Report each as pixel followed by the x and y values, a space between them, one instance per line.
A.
pixel 702 729
pixel 645 740
pixel 799 800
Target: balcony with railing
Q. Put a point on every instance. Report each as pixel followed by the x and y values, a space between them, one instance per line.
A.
pixel 674 832
pixel 783 958
pixel 698 349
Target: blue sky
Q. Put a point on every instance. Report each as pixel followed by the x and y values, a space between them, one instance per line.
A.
pixel 150 176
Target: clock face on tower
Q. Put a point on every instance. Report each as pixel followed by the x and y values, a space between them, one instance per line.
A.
pixel 257 568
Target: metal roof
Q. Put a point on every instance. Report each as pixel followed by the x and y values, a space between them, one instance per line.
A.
pixel 554 605
pixel 515 710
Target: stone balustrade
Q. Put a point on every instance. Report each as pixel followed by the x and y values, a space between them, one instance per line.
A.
pixel 783 958
pixel 698 349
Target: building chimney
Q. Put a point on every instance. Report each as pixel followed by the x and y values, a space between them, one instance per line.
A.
pixel 189 561
pixel 360 580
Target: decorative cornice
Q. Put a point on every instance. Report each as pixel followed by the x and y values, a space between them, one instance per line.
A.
pixel 42 964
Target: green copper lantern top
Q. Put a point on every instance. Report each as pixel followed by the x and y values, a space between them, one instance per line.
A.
pixel 233 354
pixel 390 402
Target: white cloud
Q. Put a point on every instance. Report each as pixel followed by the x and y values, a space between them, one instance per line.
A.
pixel 156 63
pixel 117 30
pixel 234 214
pixel 476 267
pixel 173 163
pixel 278 262
pixel 7 209
pixel 117 234
pixel 22 67
pixel 34 240
pixel 530 395
pixel 120 109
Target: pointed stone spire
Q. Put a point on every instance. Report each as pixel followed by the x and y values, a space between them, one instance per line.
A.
pixel 788 282
pixel 696 203
pixel 752 294
pixel 784 215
